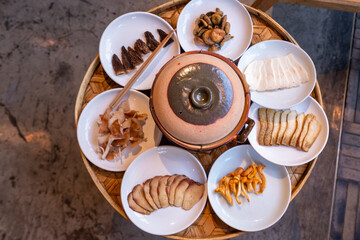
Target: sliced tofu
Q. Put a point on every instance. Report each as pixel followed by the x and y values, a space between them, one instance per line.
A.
pixel 305 129
pixel 276 127
pixel 263 125
pixel 290 128
pixel 270 113
pixel 299 126
pixel 283 125
pixel 312 134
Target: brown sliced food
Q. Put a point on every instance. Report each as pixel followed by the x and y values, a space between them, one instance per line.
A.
pixel 117 65
pixel 173 187
pixel 163 197
pixel 290 128
pixel 263 125
pixel 192 195
pixel 129 67
pixel 304 131
pixel 134 57
pixel 154 184
pixel 168 184
pixel 139 198
pixel 299 126
pixel 312 134
pixel 134 206
pixel 151 42
pixel 146 186
pixel 180 191
pixel 276 127
pixel 270 113
pixel 283 125
pixel 141 48
pixel 163 35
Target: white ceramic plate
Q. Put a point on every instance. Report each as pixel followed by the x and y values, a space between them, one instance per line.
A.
pixel 239 18
pixel 124 31
pixel 163 160
pixel 283 98
pixel 287 155
pixel 87 129
pixel 264 209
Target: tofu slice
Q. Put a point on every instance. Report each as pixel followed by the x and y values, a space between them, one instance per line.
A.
pixel 290 128
pixel 263 125
pixel 276 127
pixel 312 134
pixel 270 113
pixel 283 125
pixel 305 129
pixel 299 126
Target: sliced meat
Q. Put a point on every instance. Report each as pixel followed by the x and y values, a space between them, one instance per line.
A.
pixel 173 187
pixel 141 48
pixel 169 182
pixel 192 195
pixel 134 206
pixel 139 198
pixel 129 67
pixel 163 35
pixel 151 42
pixel 180 191
pixel 163 198
pixel 154 184
pixel 148 197
pixel 117 65
pixel 134 57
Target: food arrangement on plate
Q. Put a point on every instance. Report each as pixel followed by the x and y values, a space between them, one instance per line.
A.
pixel 212 29
pixel 164 189
pixel 287 128
pixel 240 183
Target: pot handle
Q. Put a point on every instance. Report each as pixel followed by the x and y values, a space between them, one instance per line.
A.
pixel 243 135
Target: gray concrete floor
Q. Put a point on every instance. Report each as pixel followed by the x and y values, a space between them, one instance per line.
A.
pixel 47 46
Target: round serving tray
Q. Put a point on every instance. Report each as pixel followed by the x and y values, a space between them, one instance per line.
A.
pixel 208 225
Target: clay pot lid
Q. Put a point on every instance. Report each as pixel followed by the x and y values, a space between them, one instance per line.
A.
pixel 198 98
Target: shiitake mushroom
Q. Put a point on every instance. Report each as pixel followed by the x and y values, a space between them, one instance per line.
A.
pixel 212 29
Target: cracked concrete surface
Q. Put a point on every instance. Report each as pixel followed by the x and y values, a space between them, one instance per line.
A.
pixel 46 193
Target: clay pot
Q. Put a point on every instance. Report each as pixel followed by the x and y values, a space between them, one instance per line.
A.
pixel 200 100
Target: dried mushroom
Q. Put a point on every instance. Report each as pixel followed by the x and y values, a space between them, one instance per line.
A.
pixel 212 30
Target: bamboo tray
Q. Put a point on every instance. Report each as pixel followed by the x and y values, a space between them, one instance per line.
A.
pixel 208 225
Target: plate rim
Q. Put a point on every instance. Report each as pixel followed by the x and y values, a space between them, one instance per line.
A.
pixel 176 148
pixel 283 168
pixel 187 6
pixel 81 117
pixel 313 68
pixel 102 59
pixel 319 152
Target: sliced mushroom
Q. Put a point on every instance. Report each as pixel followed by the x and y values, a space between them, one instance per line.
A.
pixel 199 40
pixel 207 39
pixel 227 28
pixel 226 38
pixel 223 22
pixel 218 11
pixel 217 35
pixel 207 19
pixel 214 48
pixel 216 19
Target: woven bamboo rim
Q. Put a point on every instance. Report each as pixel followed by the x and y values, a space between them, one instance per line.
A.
pixel 208 225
